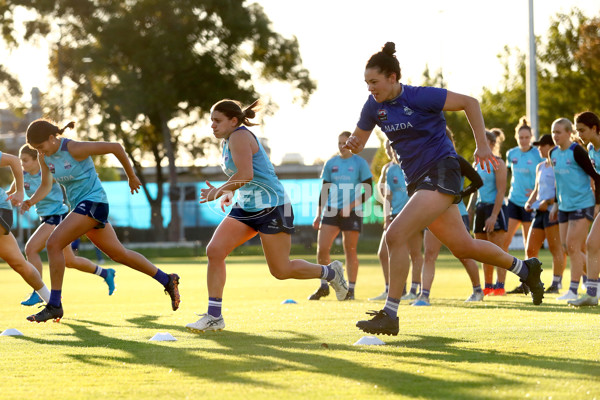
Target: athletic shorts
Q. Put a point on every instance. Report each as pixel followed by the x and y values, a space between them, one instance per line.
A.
pixel 467 223
pixel 541 220
pixel 6 220
pixel 270 220
pixel 565 216
pixel 350 223
pixel 443 177
pixel 97 211
pixel 517 212
pixel 53 219
pixel 483 212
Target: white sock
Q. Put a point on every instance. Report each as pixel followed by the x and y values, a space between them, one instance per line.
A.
pixel 44 293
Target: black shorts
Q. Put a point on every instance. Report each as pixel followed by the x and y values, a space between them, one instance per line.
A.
pixel 517 212
pixel 350 223
pixel 53 219
pixel 6 220
pixel 483 212
pixel 97 211
pixel 565 216
pixel 467 223
pixel 541 220
pixel 270 220
pixel 443 177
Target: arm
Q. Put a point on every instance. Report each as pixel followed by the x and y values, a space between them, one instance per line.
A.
pixel 499 201
pixel 8 160
pixel 467 170
pixel 381 184
pixel 582 158
pixel 12 188
pixel 367 184
pixel 323 196
pixel 357 141
pixel 45 186
pixel 534 192
pixel 387 206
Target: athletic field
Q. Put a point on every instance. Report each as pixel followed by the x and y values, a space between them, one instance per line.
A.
pixel 503 348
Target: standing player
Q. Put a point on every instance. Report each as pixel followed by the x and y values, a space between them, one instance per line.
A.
pixel 344 176
pixel 522 162
pixel 262 208
pixel 51 210
pixel 412 118
pixel 69 162
pixel 576 200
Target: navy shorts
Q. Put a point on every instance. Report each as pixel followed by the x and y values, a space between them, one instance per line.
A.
pixel 443 177
pixel 350 223
pixel 97 211
pixel 53 219
pixel 541 220
pixel 517 212
pixel 565 216
pixel 467 223
pixel 6 220
pixel 270 220
pixel 483 212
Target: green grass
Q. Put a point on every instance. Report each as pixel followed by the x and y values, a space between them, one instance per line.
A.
pixel 503 348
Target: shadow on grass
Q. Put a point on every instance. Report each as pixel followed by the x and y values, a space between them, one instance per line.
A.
pixel 239 354
pixel 549 305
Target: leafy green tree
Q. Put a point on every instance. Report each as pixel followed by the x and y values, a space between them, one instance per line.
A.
pixel 142 65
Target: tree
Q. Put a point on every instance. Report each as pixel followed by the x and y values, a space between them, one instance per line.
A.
pixel 143 65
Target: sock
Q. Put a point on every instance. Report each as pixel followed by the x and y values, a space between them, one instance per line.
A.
pixel 584 279
pixel 489 285
pixel 404 290
pixel 592 287
pixel 327 274
pixel 351 286
pixel 414 287
pixel 477 289
pixel 387 287
pixel 556 280
pixel 499 285
pixel 519 268
pixel 162 278
pixel 44 293
pixel 101 272
pixel 55 298
pixel 391 307
pixel 214 306
pixel 425 293
pixel 574 286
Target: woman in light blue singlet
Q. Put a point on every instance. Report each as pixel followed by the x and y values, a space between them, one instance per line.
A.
pixel 540 202
pixel 262 208
pixel 9 248
pixel 588 128
pixel 51 210
pixel 70 163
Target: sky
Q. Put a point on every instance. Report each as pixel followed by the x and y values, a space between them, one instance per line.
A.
pixel 337 37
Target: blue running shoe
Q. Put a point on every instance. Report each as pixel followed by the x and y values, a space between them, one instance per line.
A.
pixel 33 299
pixel 110 280
pixel 421 302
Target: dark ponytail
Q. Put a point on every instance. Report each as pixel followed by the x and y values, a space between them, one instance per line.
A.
pixel 41 129
pixel 386 61
pixel 233 109
pixel 589 119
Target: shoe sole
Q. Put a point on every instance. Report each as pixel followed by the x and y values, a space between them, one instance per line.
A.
pixel 537 290
pixel 376 332
pixel 177 300
pixel 194 330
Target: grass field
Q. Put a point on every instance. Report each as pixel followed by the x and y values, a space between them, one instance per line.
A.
pixel 503 348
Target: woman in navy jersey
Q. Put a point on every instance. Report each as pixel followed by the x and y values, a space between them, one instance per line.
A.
pixel 70 163
pixel 412 118
pixel 347 181
pixel 588 129
pixel 262 208
pixel 521 161
pixel 576 199
pixel 51 210
pixel 540 202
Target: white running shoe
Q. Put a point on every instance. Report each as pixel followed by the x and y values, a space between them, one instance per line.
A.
pixel 568 296
pixel 584 300
pixel 338 283
pixel 475 296
pixel 207 323
pixel 381 297
pixel 409 296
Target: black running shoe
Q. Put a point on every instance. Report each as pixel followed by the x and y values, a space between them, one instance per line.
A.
pixel 172 289
pixel 322 291
pixel 521 289
pixel 49 312
pixel 553 289
pixel 349 296
pixel 380 324
pixel 533 280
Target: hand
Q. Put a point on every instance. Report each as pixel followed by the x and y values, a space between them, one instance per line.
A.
pixel 209 194
pixel 134 184
pixel 484 157
pixel 16 199
pixel 226 200
pixel 354 144
pixel 543 206
pixel 317 223
pixel 553 213
pixel 490 223
pixel 528 208
pixel 25 206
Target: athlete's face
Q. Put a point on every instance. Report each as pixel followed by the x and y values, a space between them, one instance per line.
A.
pixel 222 126
pixel 29 164
pixel 342 139
pixel 544 150
pixel 381 86
pixel 524 138
pixel 586 133
pixel 48 146
pixel 560 135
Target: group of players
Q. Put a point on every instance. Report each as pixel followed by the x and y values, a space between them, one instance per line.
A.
pixel 422 188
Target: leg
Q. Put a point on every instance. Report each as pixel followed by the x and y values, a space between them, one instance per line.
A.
pixel 535 240
pixel 499 239
pixel 383 255
pixel 277 252
pixel 350 241
pixel 325 238
pixel 432 250
pixel 513 225
pixel 488 270
pixel 10 252
pixel 415 249
pixel 79 263
pixel 37 243
pixel 593 250
pixel 525 227
pixel 575 240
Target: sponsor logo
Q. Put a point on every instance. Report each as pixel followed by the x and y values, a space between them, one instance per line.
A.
pixel 569 162
pixel 67 165
pixel 350 169
pixel 515 160
pixel 395 180
pixel 51 167
pixel 554 162
pixel 529 162
pixel 427 179
pixel 408 111
pixel 382 115
pixel 26 185
pixel 335 168
pixel 396 127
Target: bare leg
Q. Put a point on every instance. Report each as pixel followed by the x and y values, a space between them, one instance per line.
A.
pixel 277 252
pixel 350 240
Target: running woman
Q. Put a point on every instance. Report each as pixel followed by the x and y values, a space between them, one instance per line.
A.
pixel 576 200
pixel 490 213
pixel 69 162
pixel 51 210
pixel 587 125
pixel 9 248
pixel 392 187
pixel 521 161
pixel 262 208
pixel 540 202
pixel 344 178
pixel 412 118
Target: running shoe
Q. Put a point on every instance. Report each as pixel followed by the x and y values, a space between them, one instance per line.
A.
pixel 584 300
pixel 409 296
pixel 380 324
pixel 207 323
pixel 421 301
pixel 338 283
pixel 553 289
pixel 322 291
pixel 382 297
pixel 475 296
pixel 521 289
pixel 349 295
pixel 172 289
pixel 488 291
pixel 533 281
pixel 499 292
pixel 49 312
pixel 33 299
pixel 568 296
pixel 110 280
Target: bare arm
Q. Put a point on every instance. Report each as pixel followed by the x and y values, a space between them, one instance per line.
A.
pixel 499 201
pixel 44 188
pixel 8 160
pixel 357 141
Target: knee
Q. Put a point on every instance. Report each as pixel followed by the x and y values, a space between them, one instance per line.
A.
pixel 591 246
pixel 215 252
pixel 53 245
pixel 280 274
pixel 30 250
pixel 430 256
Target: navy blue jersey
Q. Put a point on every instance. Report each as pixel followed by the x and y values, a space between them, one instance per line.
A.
pixel 415 124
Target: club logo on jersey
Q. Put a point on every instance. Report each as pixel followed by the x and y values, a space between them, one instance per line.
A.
pixel 554 162
pixel 67 165
pixel 408 111
pixel 382 115
pixel 515 160
pixel 51 167
pixel 427 179
pixel 395 180
pixel 26 185
pixel 350 169
pixel 529 162
pixel 335 168
pixel 568 162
